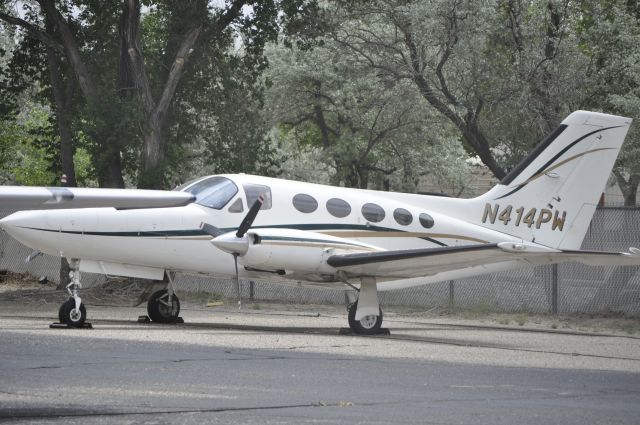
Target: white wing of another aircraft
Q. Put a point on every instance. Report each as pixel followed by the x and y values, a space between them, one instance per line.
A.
pixel 25 197
pixel 254 227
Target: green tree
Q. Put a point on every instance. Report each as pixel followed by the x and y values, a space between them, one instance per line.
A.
pixel 609 35
pixel 105 40
pixel 502 73
pixel 369 128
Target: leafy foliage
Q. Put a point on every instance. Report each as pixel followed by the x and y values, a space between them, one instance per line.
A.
pixel 364 94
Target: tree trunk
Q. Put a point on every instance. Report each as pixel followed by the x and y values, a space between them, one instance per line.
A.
pixel 319 114
pixel 629 188
pixel 150 176
pixel 151 173
pixel 110 173
pixel 62 100
pixel 111 177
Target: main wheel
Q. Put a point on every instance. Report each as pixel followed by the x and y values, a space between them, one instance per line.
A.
pixel 160 310
pixel 69 315
pixel 61 313
pixel 368 325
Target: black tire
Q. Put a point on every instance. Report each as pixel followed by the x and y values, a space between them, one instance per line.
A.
pixel 159 312
pixel 367 325
pixel 68 315
pixel 61 313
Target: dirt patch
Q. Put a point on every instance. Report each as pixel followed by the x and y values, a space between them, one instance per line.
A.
pixel 26 288
pixel 605 322
pixel 10 282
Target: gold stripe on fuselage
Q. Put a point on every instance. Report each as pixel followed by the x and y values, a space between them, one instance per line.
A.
pixel 377 234
pixel 319 244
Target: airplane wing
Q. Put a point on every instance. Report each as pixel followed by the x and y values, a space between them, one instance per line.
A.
pixel 36 198
pixel 429 261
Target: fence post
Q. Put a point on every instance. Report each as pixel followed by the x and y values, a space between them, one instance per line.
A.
pixel 251 289
pixel 451 293
pixel 554 289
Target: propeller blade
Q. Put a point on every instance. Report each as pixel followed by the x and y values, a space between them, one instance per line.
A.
pixel 251 215
pixel 211 230
pixel 235 261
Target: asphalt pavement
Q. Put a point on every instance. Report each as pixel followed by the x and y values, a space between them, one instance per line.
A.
pixel 289 366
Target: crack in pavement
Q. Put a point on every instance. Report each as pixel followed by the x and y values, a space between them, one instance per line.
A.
pixel 46 413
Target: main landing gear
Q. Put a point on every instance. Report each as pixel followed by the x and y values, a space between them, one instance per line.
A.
pixel 365 315
pixel 367 325
pixel 163 305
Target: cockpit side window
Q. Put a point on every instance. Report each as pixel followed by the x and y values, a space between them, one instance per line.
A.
pixel 253 191
pixel 236 207
pixel 214 192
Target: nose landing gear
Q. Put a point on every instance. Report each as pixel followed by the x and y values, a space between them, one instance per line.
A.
pixel 72 312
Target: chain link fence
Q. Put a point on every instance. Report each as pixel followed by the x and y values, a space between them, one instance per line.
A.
pixel 565 288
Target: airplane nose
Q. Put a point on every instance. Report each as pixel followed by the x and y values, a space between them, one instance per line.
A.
pixel 7 222
pixel 26 227
pixel 21 219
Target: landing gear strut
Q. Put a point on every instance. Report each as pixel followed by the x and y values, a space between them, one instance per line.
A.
pixel 72 312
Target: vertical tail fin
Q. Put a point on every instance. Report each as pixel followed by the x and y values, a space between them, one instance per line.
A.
pixel 550 197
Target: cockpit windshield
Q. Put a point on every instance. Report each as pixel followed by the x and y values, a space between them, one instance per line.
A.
pixel 213 192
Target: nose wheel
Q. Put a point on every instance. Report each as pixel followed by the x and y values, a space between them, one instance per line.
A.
pixel 72 316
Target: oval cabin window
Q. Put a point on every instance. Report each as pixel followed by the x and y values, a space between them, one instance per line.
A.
pixel 426 220
pixel 305 203
pixel 402 216
pixel 373 212
pixel 338 207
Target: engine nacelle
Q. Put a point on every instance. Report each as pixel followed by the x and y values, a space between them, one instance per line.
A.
pixel 296 250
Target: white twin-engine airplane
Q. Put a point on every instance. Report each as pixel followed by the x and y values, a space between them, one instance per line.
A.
pixel 329 236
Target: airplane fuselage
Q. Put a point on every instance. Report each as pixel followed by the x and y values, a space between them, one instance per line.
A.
pixel 146 242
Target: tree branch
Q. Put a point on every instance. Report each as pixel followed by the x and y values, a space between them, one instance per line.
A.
pixel 229 15
pixel 131 35
pixel 33 31
pixel 515 19
pixel 177 69
pixel 72 52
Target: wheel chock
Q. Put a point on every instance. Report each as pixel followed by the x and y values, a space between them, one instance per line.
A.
pixel 348 331
pixel 85 325
pixel 147 319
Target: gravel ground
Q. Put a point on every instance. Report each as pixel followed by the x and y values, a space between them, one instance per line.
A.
pixel 312 328
pixel 580 342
